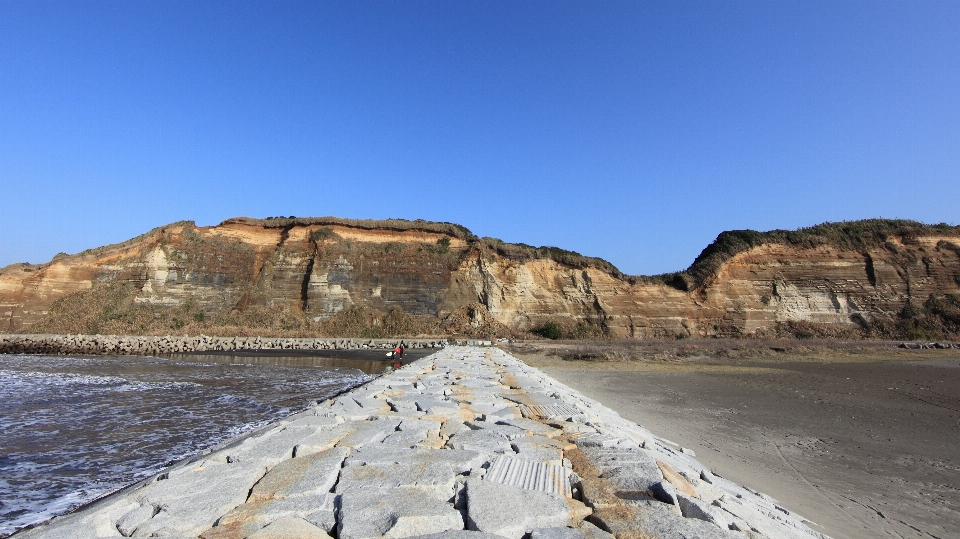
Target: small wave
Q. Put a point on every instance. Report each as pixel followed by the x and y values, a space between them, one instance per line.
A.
pixel 39 508
pixel 57 378
pixel 78 428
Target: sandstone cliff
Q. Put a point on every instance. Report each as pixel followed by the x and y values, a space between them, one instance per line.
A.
pixel 330 276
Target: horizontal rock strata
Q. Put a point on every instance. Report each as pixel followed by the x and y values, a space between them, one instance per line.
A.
pixel 468 443
pixel 309 271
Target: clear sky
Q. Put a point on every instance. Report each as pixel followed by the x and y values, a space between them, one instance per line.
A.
pixel 633 131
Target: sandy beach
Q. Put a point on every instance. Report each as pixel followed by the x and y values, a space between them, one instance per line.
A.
pixel 863 446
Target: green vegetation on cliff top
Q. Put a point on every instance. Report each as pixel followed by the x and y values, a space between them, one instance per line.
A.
pixel 858 236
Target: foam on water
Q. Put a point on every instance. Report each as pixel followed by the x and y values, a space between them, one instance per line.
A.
pixel 73 429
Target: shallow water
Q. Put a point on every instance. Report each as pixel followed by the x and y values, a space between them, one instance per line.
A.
pixel 75 428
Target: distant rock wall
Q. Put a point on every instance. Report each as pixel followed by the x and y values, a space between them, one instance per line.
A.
pixel 317 269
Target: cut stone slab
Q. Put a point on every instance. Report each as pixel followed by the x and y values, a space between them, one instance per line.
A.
pixel 130 521
pixel 289 528
pixel 533 399
pixel 320 421
pixel 549 411
pixel 252 516
pixel 410 438
pixel 72 530
pixel 460 534
pixel 596 439
pixel 319 441
pixel 531 426
pixel 191 500
pixel 311 475
pixel 418 425
pixel 489 443
pixel 543 441
pixel 767 523
pixel 426 404
pixel 665 492
pixel 619 457
pixel 102 523
pixel 375 405
pixel 367 432
pixel 586 530
pixel 392 513
pixel 271 448
pixel 506 431
pixel 462 461
pixel 537 453
pixel 660 521
pixel 512 512
pixel 634 478
pixel 694 508
pixel 677 480
pixel 529 475
pixel 451 427
pixel 347 407
pixel 434 479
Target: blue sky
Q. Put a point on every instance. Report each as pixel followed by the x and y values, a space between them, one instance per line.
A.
pixel 634 131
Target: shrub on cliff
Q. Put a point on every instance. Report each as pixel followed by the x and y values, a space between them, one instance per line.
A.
pixel 549 330
pixel 522 252
pixel 323 233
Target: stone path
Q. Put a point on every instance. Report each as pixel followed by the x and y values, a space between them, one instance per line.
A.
pixel 468 443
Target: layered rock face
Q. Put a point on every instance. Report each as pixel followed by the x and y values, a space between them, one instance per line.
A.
pixel 317 268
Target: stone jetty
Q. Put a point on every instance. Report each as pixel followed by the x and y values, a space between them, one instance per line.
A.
pixel 466 443
pixel 172 344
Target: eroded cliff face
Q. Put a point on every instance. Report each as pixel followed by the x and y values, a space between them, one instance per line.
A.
pixel 777 283
pixel 316 269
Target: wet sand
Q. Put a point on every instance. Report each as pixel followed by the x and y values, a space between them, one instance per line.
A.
pixel 863 449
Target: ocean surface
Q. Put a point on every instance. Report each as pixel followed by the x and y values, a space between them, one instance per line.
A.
pixel 75 428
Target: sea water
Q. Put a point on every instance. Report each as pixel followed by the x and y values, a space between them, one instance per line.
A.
pixel 73 429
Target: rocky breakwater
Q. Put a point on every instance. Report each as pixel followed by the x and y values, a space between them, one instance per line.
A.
pixel 127 344
pixel 468 442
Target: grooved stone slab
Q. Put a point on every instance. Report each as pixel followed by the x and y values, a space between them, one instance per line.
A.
pixel 529 475
pixel 549 411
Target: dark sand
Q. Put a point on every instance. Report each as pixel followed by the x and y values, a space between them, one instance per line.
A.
pixel 862 449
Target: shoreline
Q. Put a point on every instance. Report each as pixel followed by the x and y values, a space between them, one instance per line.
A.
pixel 80 427
pixel 460 440
pixel 861 444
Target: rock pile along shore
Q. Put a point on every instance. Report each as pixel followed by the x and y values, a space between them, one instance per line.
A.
pixel 128 344
pixel 466 443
